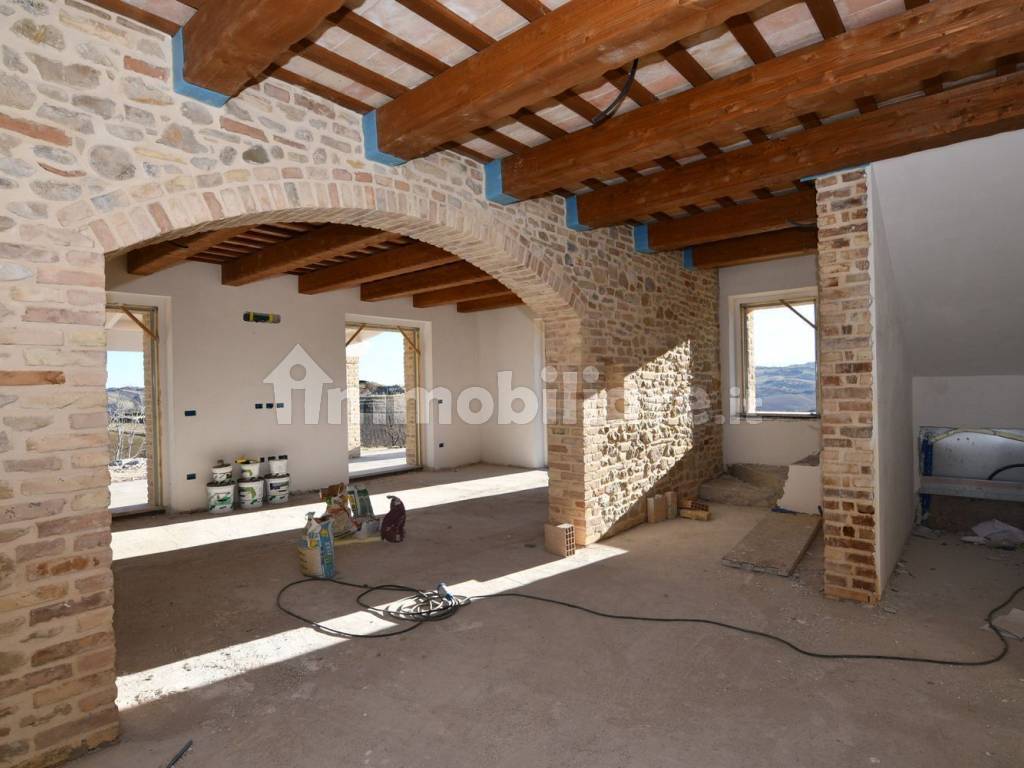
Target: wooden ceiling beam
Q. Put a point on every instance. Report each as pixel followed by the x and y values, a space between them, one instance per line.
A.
pixel 895 53
pixel 154 258
pixel 424 281
pixel 231 42
pixel 783 212
pixel 754 248
pixel 368 32
pixel 309 248
pixel 405 259
pixel 574 44
pixel 494 302
pixel 484 290
pixel 970 111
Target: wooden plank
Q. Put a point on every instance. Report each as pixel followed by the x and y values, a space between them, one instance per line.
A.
pixel 889 55
pixel 153 258
pixel 825 15
pixel 456 26
pixel 367 31
pixel 434 279
pixel 775 545
pixel 767 246
pixel 735 221
pixel 391 263
pixel 574 44
pixel 750 38
pixel 30 378
pixel 329 60
pixel 971 111
pixel 495 302
pixel 231 42
pixel 318 245
pixel 483 290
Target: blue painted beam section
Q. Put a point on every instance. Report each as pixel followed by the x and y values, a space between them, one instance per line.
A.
pixel 572 215
pixel 833 173
pixel 641 240
pixel 493 185
pixel 688 258
pixel 183 86
pixel 372 150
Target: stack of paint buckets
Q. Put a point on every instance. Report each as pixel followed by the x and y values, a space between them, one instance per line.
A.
pixel 220 492
pixel 278 481
pixel 250 484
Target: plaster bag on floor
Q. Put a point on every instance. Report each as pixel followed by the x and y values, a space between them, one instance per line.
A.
pixel 316 549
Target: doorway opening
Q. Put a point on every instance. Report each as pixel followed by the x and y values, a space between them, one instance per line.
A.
pixel 382 380
pixel 132 409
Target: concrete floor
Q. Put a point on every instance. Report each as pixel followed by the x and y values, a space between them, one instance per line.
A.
pixel 203 653
pixel 374 461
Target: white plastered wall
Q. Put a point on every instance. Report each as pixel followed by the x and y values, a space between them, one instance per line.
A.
pixel 774 441
pixel 893 406
pixel 215 364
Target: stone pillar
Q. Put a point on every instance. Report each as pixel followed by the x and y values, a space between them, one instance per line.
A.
pixel 848 457
pixel 352 405
pixel 410 365
pixel 56 587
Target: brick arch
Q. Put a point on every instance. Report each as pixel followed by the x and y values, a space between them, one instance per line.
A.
pixel 494 246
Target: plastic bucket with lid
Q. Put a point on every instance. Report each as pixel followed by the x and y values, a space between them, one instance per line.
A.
pixel 277 489
pixel 250 493
pixel 278 466
pixel 250 470
pixel 220 497
pixel 221 473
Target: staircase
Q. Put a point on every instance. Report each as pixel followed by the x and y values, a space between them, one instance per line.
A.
pixel 747 485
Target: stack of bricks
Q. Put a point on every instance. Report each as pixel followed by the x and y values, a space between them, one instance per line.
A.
pixel 848 459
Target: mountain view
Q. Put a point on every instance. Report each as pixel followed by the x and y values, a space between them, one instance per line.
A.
pixel 789 388
pixel 124 399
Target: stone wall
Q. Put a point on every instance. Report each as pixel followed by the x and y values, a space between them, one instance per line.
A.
pixel 98 155
pixel 848 460
pixel 410 373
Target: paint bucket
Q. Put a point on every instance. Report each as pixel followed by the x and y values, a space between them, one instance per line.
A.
pixel 220 497
pixel 278 466
pixel 277 489
pixel 221 473
pixel 250 493
pixel 250 470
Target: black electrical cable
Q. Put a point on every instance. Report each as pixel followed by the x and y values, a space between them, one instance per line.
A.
pixel 1003 469
pixel 435 605
pixel 612 108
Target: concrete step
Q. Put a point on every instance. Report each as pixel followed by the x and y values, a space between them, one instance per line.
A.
pixel 768 476
pixel 728 489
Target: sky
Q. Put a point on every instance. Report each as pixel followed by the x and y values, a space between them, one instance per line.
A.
pixel 124 369
pixel 782 338
pixel 382 359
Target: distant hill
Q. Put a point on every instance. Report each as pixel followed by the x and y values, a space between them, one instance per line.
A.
pixel 124 398
pixel 373 388
pixel 786 388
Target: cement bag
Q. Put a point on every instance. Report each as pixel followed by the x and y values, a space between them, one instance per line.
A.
pixel 316 549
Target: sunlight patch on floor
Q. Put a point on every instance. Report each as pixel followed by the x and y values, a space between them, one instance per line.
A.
pixel 233 661
pixel 203 529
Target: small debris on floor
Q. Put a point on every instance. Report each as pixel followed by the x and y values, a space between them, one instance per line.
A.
pixel 996 534
pixel 924 532
pixel 1010 624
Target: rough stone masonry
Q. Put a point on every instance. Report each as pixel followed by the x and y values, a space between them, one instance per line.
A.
pixel 99 155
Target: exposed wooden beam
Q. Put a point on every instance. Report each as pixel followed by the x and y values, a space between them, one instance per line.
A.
pixel 434 279
pixel 890 54
pixel 768 215
pixel 576 43
pixel 495 302
pixel 378 266
pixel 230 42
pixel 970 111
pixel 378 37
pixel 312 247
pixel 154 258
pixel 753 248
pixel 483 290
pixel 825 15
pixel 320 90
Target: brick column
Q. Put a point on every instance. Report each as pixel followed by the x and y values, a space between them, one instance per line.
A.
pixel 355 440
pixel 149 376
pixel 848 458
pixel 56 588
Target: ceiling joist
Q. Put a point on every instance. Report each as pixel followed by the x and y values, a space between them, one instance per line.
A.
pixel 406 259
pixel 970 111
pixel 448 276
pixel 154 258
pixel 889 55
pixel 754 248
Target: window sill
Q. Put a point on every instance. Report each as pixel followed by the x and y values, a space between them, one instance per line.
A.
pixel 782 416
